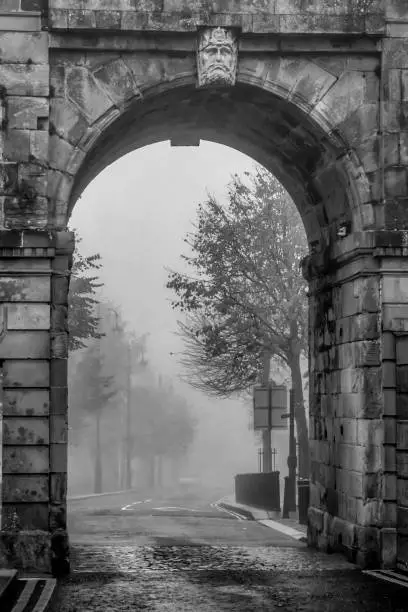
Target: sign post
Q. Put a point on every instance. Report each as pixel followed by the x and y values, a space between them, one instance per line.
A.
pixel 270 407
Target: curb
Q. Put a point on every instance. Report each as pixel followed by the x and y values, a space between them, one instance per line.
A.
pixel 250 514
pixel 242 511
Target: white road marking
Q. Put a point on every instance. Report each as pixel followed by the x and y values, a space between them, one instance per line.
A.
pixel 175 508
pixel 145 501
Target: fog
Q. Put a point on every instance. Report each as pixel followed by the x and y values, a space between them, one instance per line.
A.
pixel 135 214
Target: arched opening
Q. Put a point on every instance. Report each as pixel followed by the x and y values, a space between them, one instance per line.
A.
pixel 276 126
pixel 308 157
pixel 128 198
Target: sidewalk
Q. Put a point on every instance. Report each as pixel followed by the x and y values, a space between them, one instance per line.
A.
pixel 271 519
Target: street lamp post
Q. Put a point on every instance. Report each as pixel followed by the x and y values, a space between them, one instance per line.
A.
pixel 266 433
pixel 292 459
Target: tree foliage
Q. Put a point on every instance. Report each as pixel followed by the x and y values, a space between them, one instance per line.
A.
pixel 245 294
pixel 83 319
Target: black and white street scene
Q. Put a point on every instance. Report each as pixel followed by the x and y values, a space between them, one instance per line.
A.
pixel 203 305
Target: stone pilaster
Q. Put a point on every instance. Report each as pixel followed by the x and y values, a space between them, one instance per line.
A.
pixel 34 277
pixel 346 406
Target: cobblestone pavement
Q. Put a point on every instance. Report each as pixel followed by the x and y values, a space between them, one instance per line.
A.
pixel 178 564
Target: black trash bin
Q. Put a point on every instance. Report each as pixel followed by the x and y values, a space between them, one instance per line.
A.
pixel 303 499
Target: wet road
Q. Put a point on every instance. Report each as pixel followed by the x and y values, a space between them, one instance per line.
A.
pixel 176 553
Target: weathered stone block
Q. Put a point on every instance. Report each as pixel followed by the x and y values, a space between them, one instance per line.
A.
pixel 25 289
pixel 347 507
pixel 402 350
pixel 67 120
pixel 25 431
pixel 58 18
pixel 34 178
pixel 25 459
pixel 389 458
pixel 358 354
pixel 350 482
pixel 59 319
pixel 60 153
pixel 26 374
pixel 25 80
pixel 370 431
pixel 59 345
pixel 389 491
pixel 402 435
pixel 358 406
pixel 402 491
pixel 395 289
pixel 20 212
pixel 388 374
pixel 8 177
pixel 81 19
pixel 117 79
pixel 27 113
pixel 58 458
pixel 401 380
pixel 58 373
pixel 26 516
pixel 58 516
pixel 17 145
pixel 84 92
pixel 58 428
pixel 39 146
pixel 26 402
pixel 27 550
pixel 58 487
pixel 402 464
pixel 388 346
pixel 59 400
pixel 60 288
pixel 390 430
pixel 23 47
pixel 367 538
pixel 25 488
pixel 395 317
pixel 28 316
pixel 25 345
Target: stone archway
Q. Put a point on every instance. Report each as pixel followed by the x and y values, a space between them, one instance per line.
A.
pixel 313 115
pixel 300 121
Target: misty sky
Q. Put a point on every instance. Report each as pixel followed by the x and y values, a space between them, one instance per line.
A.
pixel 135 214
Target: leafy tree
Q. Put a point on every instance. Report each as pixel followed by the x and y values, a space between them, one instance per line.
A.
pixel 244 296
pixel 83 320
pixel 94 391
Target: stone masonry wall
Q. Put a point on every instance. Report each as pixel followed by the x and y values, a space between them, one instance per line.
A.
pixel 258 16
pixel 358 420
pixel 34 270
pixel 346 426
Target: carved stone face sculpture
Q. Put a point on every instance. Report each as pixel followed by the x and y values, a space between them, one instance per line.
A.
pixel 216 57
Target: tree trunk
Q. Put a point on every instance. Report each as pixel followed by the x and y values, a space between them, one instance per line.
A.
pixel 300 418
pixel 98 458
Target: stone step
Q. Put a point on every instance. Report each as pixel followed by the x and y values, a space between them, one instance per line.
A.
pixel 6 578
pixel 28 595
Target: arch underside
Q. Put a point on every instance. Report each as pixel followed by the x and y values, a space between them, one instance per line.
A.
pixel 274 132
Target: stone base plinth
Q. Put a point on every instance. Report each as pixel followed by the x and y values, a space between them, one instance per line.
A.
pixel 37 551
pixel 360 544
